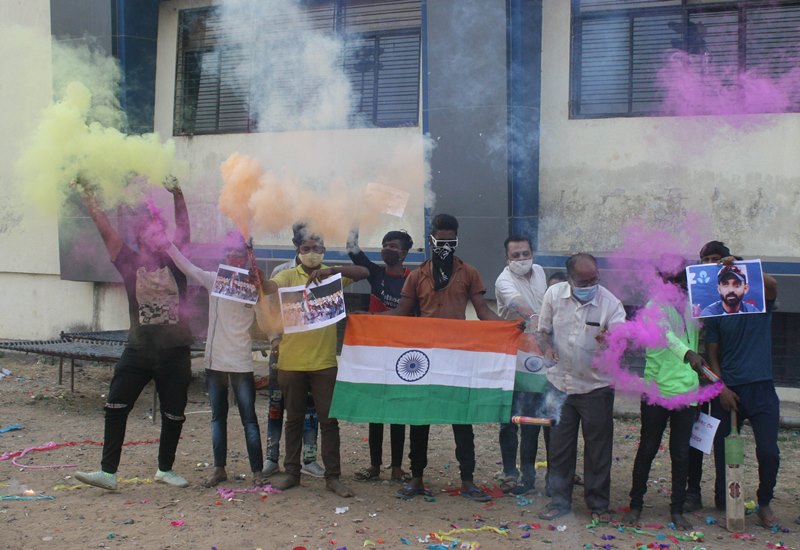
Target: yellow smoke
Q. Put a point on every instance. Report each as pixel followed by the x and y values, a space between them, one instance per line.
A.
pixel 78 135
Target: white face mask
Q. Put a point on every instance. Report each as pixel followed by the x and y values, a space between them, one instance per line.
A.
pixel 520 267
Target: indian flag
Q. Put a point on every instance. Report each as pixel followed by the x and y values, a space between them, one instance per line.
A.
pixel 420 370
pixel 530 374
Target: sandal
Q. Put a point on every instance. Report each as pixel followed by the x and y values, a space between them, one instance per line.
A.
pixel 409 491
pixel 508 483
pixel 767 518
pixel 367 474
pixel 602 516
pixel 476 494
pixel 552 513
pixel 400 476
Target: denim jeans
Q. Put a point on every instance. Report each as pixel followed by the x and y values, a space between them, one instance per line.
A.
pixel 275 421
pixel 244 390
pixel 526 404
pixel 172 370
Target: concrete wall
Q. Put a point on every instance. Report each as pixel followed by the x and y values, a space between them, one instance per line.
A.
pixel 328 150
pixel 35 302
pixel 596 174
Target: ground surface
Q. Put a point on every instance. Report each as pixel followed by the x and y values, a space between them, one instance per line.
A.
pixel 143 514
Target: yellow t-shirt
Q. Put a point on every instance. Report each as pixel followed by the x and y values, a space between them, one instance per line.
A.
pixel 311 350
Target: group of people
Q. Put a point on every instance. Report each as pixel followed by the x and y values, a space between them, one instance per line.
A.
pixel 570 315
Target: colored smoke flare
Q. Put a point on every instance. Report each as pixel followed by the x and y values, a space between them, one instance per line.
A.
pixel 531 421
pixel 710 375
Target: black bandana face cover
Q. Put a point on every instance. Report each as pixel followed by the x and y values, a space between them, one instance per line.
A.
pixel 442 260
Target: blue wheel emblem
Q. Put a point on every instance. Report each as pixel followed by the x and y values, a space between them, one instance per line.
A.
pixel 534 363
pixel 412 365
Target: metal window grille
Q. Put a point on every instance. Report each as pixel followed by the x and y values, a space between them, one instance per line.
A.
pixel 381 58
pixel 618 46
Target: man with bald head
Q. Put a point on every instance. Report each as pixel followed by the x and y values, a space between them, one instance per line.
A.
pixel 574 318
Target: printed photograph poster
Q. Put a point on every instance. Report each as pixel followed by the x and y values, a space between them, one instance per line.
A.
pixel 233 283
pixel 314 306
pixel 717 289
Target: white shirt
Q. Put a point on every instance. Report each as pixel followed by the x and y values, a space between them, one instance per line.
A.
pixel 528 290
pixel 573 327
pixel 228 343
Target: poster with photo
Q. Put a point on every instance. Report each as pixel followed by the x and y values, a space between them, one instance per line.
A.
pixel 717 289
pixel 233 283
pixel 314 306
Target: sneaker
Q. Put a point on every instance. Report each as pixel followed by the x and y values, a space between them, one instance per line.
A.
pixel 313 469
pixel 270 467
pixel 171 478
pixel 524 487
pixel 101 479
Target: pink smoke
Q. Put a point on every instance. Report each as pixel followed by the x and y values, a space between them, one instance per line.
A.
pixel 695 85
pixel 636 266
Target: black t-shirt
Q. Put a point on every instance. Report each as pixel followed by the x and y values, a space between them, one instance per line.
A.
pixel 156 302
pixel 385 288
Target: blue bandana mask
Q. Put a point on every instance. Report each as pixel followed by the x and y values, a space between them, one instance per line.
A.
pixel 585 294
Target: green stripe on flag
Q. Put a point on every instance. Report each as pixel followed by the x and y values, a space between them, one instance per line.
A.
pixel 533 383
pixel 419 404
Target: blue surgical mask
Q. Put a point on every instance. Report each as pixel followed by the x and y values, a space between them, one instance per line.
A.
pixel 585 294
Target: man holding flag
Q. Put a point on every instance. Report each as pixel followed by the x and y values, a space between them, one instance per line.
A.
pixel 519 290
pixel 441 287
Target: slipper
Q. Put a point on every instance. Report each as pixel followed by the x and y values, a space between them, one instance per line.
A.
pixel 365 475
pixel 476 494
pixel 769 522
pixel 405 477
pixel 603 516
pixel 408 492
pixel 552 513
pixel 508 484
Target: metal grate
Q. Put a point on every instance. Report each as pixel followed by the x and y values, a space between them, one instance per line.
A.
pixel 619 47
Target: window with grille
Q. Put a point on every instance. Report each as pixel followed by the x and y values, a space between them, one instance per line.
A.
pixel 381 59
pixel 618 47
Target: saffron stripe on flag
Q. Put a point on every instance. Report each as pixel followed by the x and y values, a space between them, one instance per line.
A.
pixel 428 332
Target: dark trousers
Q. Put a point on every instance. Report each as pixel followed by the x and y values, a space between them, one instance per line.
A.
pixel 244 389
pixel 593 413
pixel 397 438
pixel 465 449
pixel 295 386
pixel 759 404
pixel 654 422
pixel 524 403
pixel 275 420
pixel 171 370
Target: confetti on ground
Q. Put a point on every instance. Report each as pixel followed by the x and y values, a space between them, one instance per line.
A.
pixel 227 494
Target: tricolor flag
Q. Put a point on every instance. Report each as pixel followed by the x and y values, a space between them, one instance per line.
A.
pixel 531 364
pixel 420 370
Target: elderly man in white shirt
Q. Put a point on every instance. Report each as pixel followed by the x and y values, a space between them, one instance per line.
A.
pixel 574 318
pixel 519 290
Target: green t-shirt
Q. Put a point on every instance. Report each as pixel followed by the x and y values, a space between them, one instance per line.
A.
pixel 666 366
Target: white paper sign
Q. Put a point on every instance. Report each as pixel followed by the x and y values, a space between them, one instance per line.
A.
pixel 390 200
pixel 703 433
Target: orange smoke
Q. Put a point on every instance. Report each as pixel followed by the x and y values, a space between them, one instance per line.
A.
pixel 255 199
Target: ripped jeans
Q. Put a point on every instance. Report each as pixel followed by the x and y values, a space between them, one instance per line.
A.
pixel 171 370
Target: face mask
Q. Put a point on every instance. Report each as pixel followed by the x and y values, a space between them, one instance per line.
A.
pixel 520 267
pixel 585 294
pixel 311 260
pixel 390 256
pixel 443 248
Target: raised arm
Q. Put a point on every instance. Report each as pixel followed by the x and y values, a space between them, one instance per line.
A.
pixel 770 287
pixel 204 278
pixel 110 236
pixel 182 229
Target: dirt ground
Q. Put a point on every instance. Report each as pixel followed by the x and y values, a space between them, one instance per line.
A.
pixel 146 515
